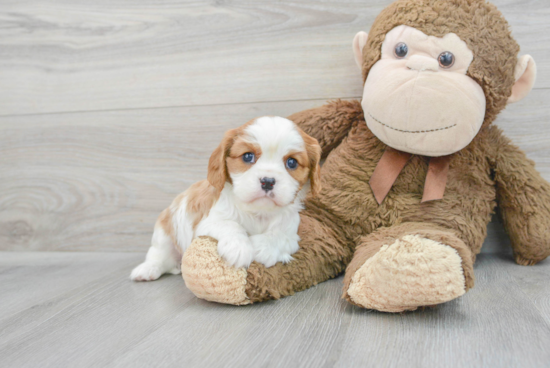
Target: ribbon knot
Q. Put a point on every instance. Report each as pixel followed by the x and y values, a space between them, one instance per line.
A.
pixel 392 163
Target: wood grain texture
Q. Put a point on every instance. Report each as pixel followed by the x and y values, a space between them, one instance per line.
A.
pixel 58 56
pixel 494 325
pixel 46 279
pixel 97 181
pixel 81 310
pixel 534 283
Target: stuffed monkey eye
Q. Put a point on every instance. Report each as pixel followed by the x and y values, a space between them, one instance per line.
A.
pixel 249 157
pixel 446 59
pixel 401 50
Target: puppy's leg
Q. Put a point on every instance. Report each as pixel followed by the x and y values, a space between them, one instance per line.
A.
pixel 273 247
pixel 234 245
pixel 162 257
pixel 278 243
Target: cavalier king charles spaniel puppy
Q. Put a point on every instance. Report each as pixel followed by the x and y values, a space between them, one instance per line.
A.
pixel 257 180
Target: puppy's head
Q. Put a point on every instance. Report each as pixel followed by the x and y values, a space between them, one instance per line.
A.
pixel 268 161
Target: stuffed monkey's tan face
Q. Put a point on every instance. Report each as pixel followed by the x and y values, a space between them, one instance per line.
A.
pixel 418 99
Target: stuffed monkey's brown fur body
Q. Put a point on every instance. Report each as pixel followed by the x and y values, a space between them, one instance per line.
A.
pixel 344 228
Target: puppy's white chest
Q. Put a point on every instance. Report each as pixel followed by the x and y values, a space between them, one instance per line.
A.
pixel 257 224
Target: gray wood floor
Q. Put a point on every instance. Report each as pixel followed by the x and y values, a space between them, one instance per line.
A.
pixel 110 108
pixel 80 310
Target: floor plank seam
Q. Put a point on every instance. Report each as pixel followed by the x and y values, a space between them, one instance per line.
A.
pixel 177 106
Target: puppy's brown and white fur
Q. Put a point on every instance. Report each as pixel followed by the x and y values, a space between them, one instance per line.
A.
pixel 257 180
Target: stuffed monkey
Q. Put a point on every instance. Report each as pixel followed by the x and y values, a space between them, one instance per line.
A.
pixel 413 172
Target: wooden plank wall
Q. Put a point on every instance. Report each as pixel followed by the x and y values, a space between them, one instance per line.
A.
pixel 108 109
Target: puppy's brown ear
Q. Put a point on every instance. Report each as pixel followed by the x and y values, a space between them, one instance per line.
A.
pixel 313 150
pixel 217 167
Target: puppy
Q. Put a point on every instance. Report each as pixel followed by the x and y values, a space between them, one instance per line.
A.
pixel 257 180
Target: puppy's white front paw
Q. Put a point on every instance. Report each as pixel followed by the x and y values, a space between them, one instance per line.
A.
pixel 264 252
pixel 237 250
pixel 269 250
pixel 285 258
pixel 146 272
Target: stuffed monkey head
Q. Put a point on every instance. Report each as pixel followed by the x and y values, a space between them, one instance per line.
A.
pixel 437 71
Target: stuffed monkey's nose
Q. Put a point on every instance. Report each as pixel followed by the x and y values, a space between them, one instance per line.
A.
pixel 267 183
pixel 422 63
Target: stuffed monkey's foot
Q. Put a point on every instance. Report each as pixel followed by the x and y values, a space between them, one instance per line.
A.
pixel 208 276
pixel 414 271
pixel 524 261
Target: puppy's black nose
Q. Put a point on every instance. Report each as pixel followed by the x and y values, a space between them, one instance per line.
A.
pixel 267 183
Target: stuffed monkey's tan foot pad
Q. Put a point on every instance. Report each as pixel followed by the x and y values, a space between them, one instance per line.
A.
pixel 208 276
pixel 407 274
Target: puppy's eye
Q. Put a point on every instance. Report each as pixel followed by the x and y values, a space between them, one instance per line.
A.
pixel 401 50
pixel 249 157
pixel 446 59
pixel 291 163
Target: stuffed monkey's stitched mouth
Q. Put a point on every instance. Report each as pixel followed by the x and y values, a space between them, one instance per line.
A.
pixel 411 131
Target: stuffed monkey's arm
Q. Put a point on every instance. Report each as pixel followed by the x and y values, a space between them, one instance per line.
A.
pixel 330 123
pixel 524 202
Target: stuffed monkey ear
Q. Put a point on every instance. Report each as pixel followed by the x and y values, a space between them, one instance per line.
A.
pixel 217 167
pixel 359 41
pixel 525 74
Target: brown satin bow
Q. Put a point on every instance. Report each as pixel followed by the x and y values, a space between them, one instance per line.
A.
pixel 393 161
